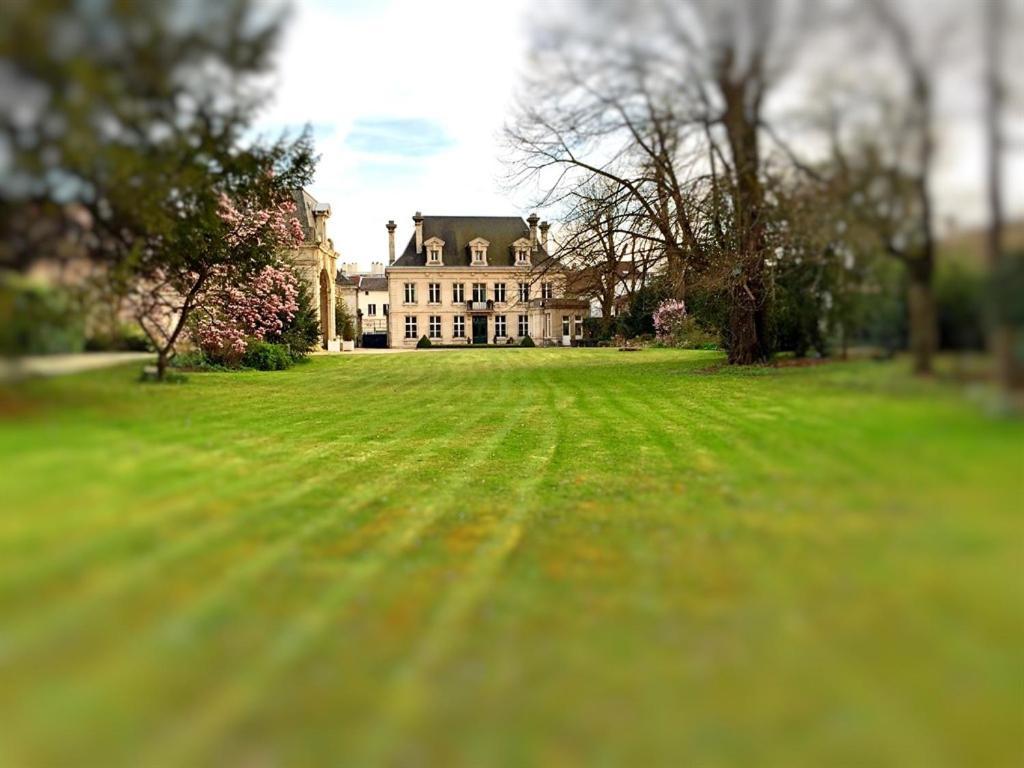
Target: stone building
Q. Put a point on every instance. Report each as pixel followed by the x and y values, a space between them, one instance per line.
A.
pixel 317 263
pixel 479 280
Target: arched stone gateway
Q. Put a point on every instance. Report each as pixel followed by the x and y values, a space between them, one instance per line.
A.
pixel 317 262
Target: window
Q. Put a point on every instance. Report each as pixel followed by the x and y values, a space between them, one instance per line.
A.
pixel 371 309
pixel 499 292
pixel 385 309
pixel 479 257
pixel 565 325
pixel 479 291
pixel 545 290
pixel 410 327
pixel 458 293
pixel 459 327
pixel 578 326
pixel 410 293
pixel 522 257
pixel 434 293
pixel 434 256
pixel 434 327
pixel 524 291
pixel 524 325
pixel 499 325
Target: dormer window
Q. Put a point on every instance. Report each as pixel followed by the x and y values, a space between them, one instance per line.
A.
pixel 434 246
pixel 521 250
pixel 478 252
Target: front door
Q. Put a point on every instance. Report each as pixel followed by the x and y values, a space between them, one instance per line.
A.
pixel 479 329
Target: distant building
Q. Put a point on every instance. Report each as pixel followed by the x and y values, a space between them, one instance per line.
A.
pixel 479 280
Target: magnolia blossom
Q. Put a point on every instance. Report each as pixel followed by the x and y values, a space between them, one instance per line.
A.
pixel 250 224
pixel 233 313
pixel 668 317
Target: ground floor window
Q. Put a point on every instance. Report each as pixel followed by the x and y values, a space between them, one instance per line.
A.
pixel 578 326
pixel 435 327
pixel 565 325
pixel 410 327
pixel 524 325
pixel 547 326
pixel 459 326
pixel 499 325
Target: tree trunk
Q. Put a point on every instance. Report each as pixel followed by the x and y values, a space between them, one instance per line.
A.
pixel 748 325
pixel 922 317
pixel 162 360
pixel 1001 334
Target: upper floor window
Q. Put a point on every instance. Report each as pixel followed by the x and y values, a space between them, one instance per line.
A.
pixel 385 309
pixel 479 291
pixel 499 292
pixel 524 291
pixel 458 293
pixel 371 309
pixel 410 293
pixel 434 293
pixel 478 251
pixel 545 290
pixel 434 246
pixel 521 248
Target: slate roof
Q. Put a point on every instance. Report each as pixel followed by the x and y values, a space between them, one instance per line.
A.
pixel 343 279
pixel 373 284
pixel 458 231
pixel 305 204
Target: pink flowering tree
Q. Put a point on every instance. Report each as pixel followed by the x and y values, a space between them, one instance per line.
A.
pixel 232 314
pixel 207 226
pixel 669 320
pixel 241 290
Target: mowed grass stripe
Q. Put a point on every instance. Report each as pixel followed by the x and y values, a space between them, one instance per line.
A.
pixel 231 702
pixel 60 614
pixel 406 696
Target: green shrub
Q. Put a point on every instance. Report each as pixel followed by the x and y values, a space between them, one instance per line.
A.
pixel 526 341
pixel 265 356
pixel 344 322
pixel 36 319
pixel 302 333
pixel 423 343
pixel 126 338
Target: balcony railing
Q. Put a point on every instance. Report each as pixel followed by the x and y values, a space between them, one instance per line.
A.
pixel 480 306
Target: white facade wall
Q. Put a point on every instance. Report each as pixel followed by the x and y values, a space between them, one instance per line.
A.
pixel 545 325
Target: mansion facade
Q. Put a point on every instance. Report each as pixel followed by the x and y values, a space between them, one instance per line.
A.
pixel 479 280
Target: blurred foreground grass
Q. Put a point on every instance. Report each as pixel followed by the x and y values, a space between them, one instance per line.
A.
pixel 509 557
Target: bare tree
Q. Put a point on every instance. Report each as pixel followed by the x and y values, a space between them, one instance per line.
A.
pixel 608 244
pixel 1001 341
pixel 665 101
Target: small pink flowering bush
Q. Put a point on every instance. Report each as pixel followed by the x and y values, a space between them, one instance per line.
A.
pixel 674 328
pixel 668 319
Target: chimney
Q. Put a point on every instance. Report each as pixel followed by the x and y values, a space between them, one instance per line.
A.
pixel 532 221
pixel 391 241
pixel 350 269
pixel 377 268
pixel 544 235
pixel 418 221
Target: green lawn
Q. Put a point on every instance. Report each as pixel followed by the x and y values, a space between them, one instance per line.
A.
pixel 510 557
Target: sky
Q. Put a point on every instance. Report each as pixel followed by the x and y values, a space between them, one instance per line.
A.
pixel 407 100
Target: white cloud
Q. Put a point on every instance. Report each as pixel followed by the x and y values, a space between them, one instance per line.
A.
pixel 451 67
